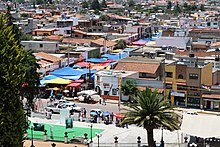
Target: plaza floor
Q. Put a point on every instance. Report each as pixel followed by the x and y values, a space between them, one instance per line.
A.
pixel 56 132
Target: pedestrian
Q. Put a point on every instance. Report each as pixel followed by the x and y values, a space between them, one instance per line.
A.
pixel 85 112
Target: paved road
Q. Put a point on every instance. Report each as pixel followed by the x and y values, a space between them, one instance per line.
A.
pixel 111 107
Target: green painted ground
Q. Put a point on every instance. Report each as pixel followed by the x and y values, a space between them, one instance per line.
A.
pixel 58 132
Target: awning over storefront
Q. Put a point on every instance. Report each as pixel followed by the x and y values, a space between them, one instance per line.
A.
pixel 204 126
pixel 58 81
pixel 180 83
pixel 211 96
pixel 169 82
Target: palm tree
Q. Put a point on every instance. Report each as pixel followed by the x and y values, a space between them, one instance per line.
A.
pixel 151 112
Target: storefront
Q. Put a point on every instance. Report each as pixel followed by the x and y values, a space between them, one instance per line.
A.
pixel 179 98
pixel 211 101
pixel 193 102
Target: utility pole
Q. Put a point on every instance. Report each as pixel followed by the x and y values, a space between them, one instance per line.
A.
pixel 164 78
pixel 68 55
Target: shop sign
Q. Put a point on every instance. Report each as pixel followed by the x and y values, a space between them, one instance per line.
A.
pixel 180 94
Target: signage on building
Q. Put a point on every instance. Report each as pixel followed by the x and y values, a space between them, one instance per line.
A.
pixel 180 94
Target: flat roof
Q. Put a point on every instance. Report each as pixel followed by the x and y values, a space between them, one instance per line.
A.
pixel 115 73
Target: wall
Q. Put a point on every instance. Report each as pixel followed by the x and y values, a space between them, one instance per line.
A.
pixel 41 46
pixel 206 75
pixel 216 77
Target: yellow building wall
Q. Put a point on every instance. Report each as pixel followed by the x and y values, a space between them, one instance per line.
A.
pixel 206 74
pixel 171 68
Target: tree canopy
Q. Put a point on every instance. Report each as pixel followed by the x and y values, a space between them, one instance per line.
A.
pixel 11 76
pixel 151 112
pixel 95 5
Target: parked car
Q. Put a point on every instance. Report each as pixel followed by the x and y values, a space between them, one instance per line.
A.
pixel 72 107
pixel 54 108
pixel 94 112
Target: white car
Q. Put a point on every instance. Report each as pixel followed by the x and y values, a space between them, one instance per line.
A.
pixel 96 112
pixel 72 107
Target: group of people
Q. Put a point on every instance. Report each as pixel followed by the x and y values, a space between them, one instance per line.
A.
pixel 82 114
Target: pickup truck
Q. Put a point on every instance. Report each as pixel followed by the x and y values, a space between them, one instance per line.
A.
pixel 54 108
pixel 72 107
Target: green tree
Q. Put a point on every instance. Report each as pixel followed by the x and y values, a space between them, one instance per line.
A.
pixel 128 87
pixel 131 3
pixel 11 76
pixel 85 4
pixel 30 86
pixel 202 7
pixel 103 4
pixel 151 112
pixel 104 18
pixel 121 44
pixel 169 5
pixel 24 15
pixel 95 5
pixel 96 12
pixel 177 8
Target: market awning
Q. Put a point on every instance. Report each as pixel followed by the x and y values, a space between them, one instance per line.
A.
pixel 204 126
pixel 58 81
pixel 74 85
pixel 118 115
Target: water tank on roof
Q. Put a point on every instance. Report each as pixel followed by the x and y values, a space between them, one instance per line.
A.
pixel 191 55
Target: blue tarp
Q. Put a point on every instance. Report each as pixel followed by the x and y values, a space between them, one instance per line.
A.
pixel 86 70
pixel 129 49
pixel 71 77
pixel 96 60
pixel 115 56
pixel 67 71
pixel 49 77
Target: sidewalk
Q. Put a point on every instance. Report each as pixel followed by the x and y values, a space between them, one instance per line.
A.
pixel 37 143
pixel 199 111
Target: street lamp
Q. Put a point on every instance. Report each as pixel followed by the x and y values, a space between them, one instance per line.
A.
pixel 32 136
pixel 98 135
pixel 91 133
pixel 162 142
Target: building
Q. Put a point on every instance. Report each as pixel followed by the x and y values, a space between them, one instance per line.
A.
pixel 48 62
pixel 107 82
pixel 146 67
pixel 41 46
pixel 185 84
pixel 67 21
pixel 44 32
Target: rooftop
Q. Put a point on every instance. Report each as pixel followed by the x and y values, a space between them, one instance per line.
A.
pixel 115 73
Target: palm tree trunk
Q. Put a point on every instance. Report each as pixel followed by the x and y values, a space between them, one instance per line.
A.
pixel 150 137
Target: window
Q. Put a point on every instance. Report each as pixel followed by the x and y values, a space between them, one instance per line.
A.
pixel 169 74
pixel 114 91
pixel 106 85
pixel 41 45
pixel 105 92
pixel 181 87
pixel 168 86
pixel 193 76
pixel 76 36
pixel 193 88
pixel 180 76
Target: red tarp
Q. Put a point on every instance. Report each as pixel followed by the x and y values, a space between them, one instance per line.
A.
pixel 74 84
pixel 84 64
pixel 118 115
pixel 79 81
